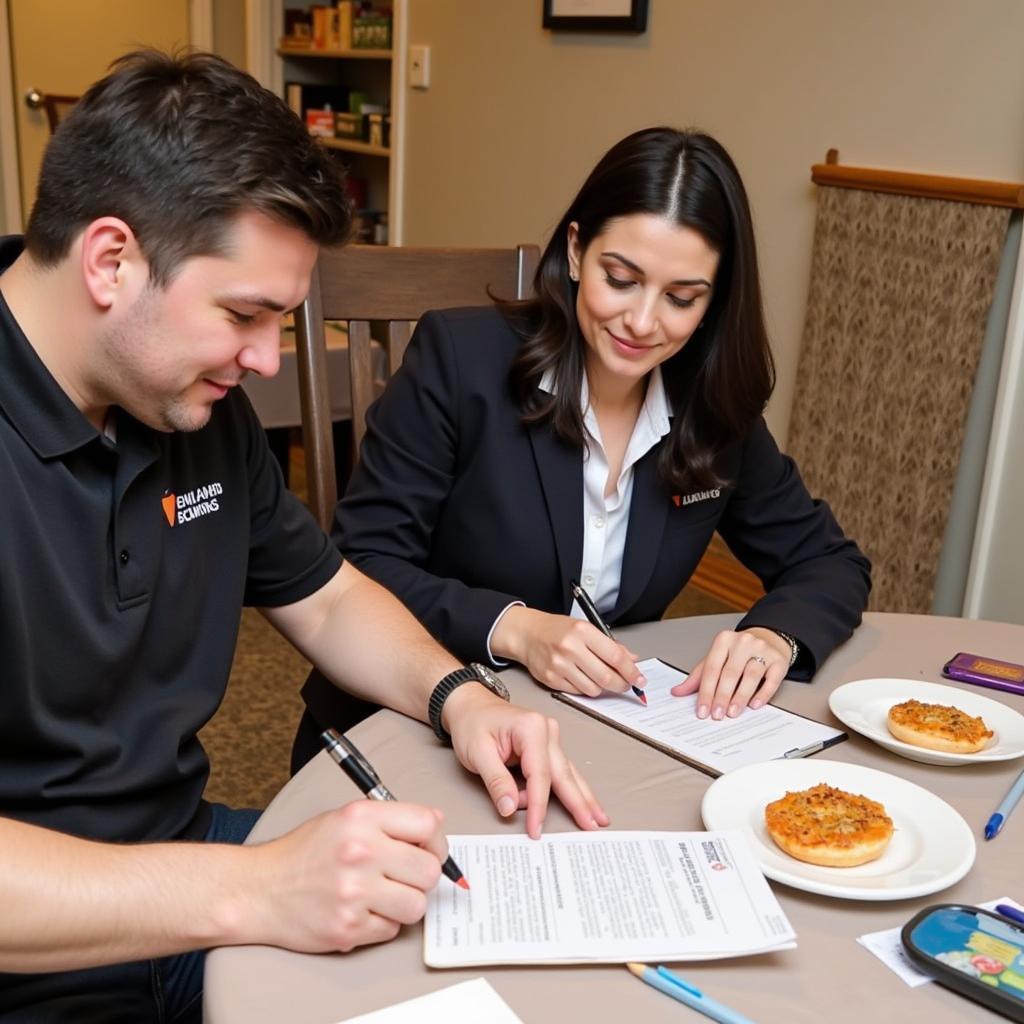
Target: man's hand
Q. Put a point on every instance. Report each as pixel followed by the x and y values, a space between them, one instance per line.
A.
pixel 740 669
pixel 565 653
pixel 346 878
pixel 488 735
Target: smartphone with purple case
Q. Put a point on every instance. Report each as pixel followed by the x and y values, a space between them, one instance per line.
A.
pixel 973 668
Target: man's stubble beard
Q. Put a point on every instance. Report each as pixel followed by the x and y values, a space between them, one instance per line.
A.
pixel 128 381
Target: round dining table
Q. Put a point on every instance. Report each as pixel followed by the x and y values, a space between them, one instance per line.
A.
pixel 829 977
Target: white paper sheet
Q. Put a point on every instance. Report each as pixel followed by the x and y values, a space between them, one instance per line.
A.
pixel 469 1002
pixel 603 897
pixel 720 746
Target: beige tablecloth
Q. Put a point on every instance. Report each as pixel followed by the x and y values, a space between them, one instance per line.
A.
pixel 828 978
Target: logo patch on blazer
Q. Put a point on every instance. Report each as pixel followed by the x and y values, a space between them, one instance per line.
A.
pixel 679 500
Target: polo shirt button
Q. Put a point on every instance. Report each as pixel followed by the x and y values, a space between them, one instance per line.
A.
pixel 124 557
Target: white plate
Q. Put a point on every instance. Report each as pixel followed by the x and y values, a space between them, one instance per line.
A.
pixel 864 705
pixel 931 848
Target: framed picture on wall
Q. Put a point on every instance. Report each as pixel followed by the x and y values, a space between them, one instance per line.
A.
pixel 596 15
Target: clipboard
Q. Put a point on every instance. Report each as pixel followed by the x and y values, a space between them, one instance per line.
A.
pixel 827 737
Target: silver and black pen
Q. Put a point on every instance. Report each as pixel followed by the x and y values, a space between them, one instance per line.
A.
pixel 362 773
pixel 594 618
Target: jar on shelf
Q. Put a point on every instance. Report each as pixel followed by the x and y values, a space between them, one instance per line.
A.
pixel 375 130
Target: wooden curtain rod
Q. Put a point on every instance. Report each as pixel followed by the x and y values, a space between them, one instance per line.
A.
pixel 927 186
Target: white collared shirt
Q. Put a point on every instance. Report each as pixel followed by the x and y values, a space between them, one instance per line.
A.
pixel 606 519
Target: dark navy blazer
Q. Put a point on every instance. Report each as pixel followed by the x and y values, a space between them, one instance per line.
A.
pixel 459 509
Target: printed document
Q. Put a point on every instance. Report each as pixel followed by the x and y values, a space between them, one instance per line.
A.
pixel 671 724
pixel 603 897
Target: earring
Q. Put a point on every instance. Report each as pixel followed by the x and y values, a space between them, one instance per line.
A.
pixel 573 276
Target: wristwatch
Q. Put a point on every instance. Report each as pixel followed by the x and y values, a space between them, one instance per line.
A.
pixel 474 672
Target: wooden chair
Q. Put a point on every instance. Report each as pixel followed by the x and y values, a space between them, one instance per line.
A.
pixel 364 283
pixel 57 108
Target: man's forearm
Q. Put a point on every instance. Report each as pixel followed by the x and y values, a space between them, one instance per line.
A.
pixel 363 638
pixel 70 903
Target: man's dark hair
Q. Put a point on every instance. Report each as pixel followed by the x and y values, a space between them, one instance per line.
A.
pixel 719 382
pixel 177 146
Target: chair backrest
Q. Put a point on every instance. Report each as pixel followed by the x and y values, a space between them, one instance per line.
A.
pixel 57 108
pixel 364 283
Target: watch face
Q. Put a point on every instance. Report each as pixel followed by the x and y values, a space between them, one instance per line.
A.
pixel 491 681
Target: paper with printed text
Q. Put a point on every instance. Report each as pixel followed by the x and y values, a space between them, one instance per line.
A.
pixel 603 897
pixel 671 724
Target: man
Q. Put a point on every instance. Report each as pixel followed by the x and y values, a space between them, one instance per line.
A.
pixel 179 211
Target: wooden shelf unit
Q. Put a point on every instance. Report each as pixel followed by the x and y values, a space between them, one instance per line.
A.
pixel 356 146
pixel 357 54
pixel 381 76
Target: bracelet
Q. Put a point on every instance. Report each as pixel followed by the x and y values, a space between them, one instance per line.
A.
pixel 794 647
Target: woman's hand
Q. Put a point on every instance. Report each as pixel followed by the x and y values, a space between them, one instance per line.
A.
pixel 740 669
pixel 565 653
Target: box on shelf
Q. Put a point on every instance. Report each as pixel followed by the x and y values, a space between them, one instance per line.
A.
pixel 321 18
pixel 371 32
pixel 348 125
pixel 320 122
pixel 323 27
pixel 298 27
pixel 346 11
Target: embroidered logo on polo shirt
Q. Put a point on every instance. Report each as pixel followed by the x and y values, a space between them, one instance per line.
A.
pixel 194 504
pixel 679 500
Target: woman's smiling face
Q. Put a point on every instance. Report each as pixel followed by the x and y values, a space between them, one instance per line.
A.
pixel 645 284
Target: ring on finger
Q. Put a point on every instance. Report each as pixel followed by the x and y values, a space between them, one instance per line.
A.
pixel 758 659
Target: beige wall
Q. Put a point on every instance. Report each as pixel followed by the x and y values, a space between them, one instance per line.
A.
pixel 516 116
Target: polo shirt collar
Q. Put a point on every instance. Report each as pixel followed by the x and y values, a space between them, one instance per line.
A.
pixel 30 397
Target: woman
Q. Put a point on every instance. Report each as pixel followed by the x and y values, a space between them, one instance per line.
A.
pixel 602 432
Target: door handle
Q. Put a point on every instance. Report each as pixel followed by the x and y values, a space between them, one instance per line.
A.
pixel 34 99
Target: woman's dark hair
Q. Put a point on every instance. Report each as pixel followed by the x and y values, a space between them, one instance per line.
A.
pixel 719 382
pixel 177 146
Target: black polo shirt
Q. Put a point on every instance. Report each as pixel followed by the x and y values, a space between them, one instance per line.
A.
pixel 123 571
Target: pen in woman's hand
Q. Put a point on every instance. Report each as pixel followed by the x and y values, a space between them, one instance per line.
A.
pixel 594 618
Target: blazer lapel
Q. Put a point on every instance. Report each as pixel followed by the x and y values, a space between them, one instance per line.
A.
pixel 647 514
pixel 560 468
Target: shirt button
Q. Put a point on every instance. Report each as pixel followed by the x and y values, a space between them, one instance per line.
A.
pixel 124 557
pixel 598 521
pixel 589 580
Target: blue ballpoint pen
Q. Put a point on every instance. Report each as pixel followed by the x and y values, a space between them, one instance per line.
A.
pixel 1002 812
pixel 672 985
pixel 1012 913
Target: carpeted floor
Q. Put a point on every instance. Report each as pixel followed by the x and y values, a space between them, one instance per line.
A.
pixel 249 739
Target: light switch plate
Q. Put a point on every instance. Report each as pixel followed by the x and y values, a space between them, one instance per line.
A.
pixel 419 67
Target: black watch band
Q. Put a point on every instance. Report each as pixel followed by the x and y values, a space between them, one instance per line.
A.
pixel 472 673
